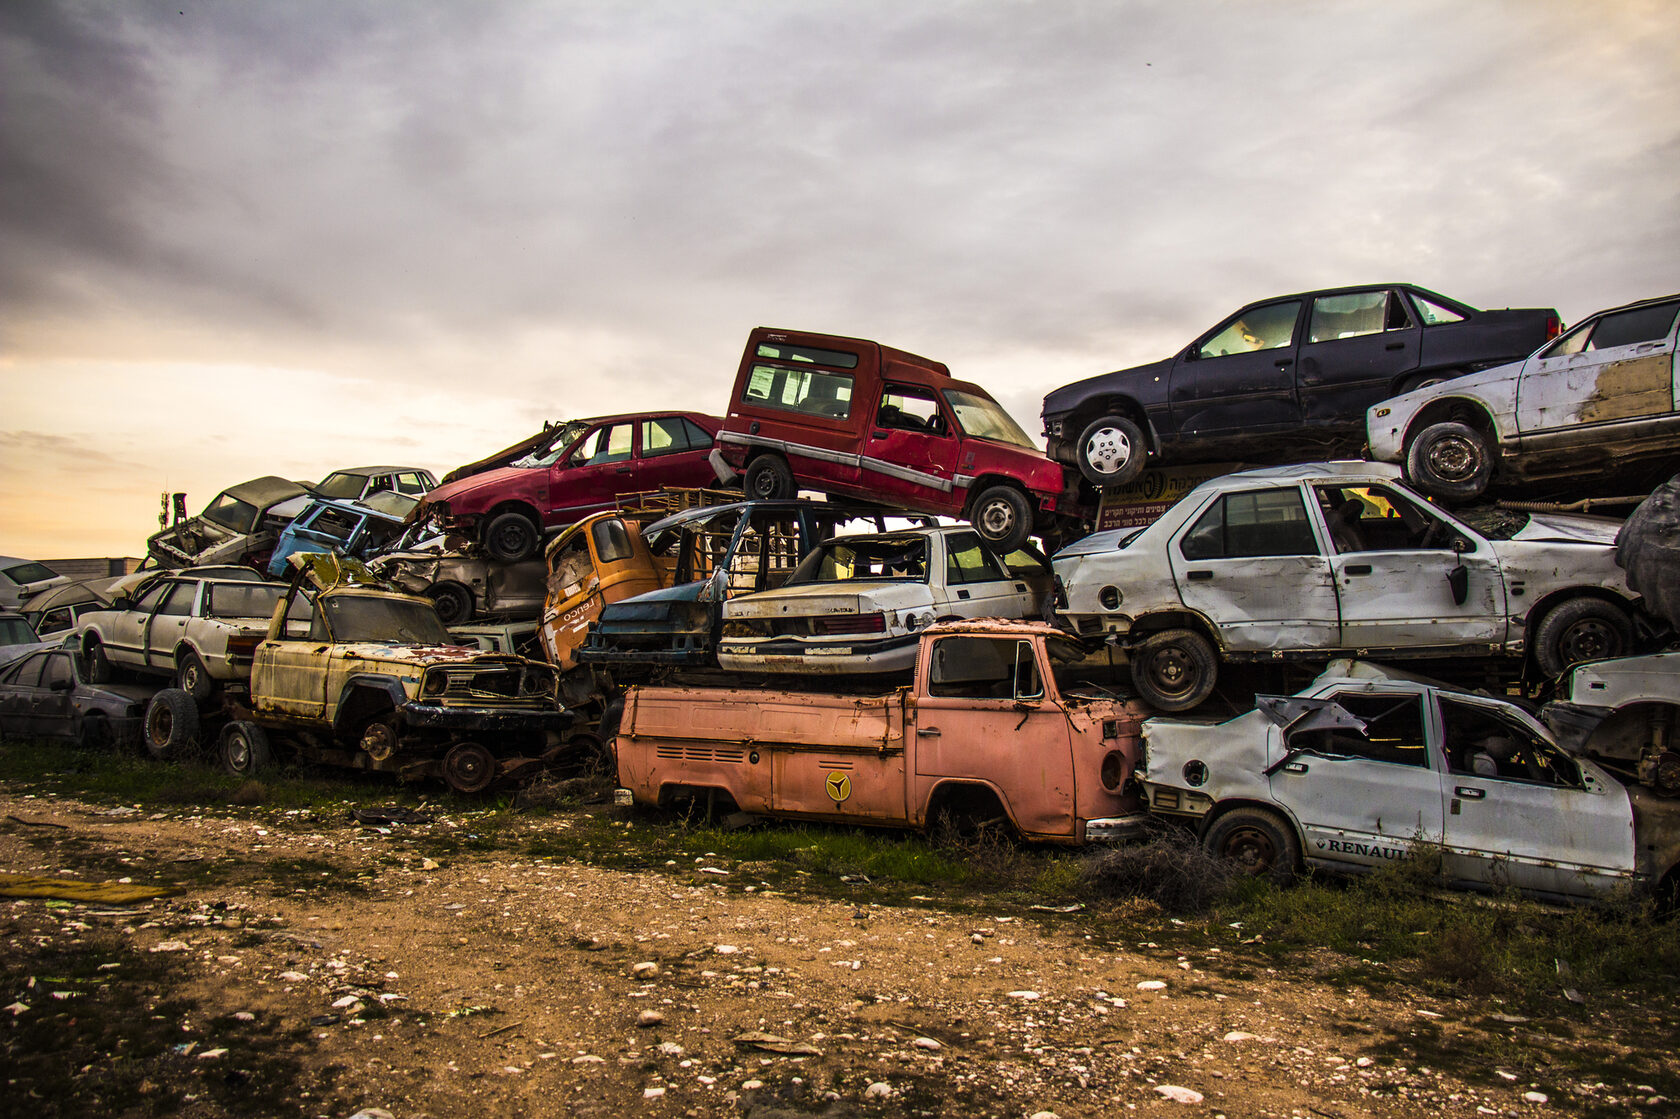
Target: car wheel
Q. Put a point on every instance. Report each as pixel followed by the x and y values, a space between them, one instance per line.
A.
pixel 469 768
pixel 767 478
pixel 97 665
pixel 1174 670
pixel 1112 451
pixel 171 724
pixel 1258 842
pixel 1450 460
pixel 1003 517
pixel 194 679
pixel 245 750
pixel 453 601
pixel 511 537
pixel 1581 629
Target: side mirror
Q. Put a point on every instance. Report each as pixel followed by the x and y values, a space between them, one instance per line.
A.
pixel 59 686
pixel 1458 579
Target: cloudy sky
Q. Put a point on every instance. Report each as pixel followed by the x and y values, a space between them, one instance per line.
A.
pixel 244 238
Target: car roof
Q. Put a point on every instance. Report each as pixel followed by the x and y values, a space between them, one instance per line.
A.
pixel 707 512
pixel 377 470
pixel 266 490
pixel 1343 470
pixel 1637 303
pixel 1350 288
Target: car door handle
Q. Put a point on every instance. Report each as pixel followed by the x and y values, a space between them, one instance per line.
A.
pixel 962 594
pixel 1284 362
pixel 927 732
pixel 1295 767
pixel 877 435
pixel 1395 346
pixel 1469 794
pixel 623 470
pixel 1198 576
pixel 1358 569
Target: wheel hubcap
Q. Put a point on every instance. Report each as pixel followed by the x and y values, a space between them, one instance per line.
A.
pixel 1171 671
pixel 1108 450
pixel 238 752
pixel 1453 459
pixel 997 518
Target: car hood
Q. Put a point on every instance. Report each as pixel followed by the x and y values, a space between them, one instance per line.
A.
pixel 1069 397
pixel 499 478
pixel 423 655
pixel 1561 528
pixel 653 604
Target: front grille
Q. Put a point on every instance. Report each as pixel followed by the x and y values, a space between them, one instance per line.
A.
pixel 678 753
pixel 469 686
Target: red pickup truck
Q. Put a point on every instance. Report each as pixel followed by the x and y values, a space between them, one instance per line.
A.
pixel 852 417
pixel 983 734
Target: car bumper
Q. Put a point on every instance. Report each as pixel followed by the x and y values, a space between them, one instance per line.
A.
pixel 1116 829
pixel 810 657
pixel 428 716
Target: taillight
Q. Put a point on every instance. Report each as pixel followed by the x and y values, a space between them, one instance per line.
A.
pixel 1554 327
pixel 243 646
pixel 849 623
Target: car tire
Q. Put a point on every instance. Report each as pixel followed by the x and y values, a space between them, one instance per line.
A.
pixel 171 724
pixel 511 537
pixel 767 478
pixel 97 665
pixel 1002 516
pixel 193 678
pixel 1259 843
pixel 1424 380
pixel 1450 460
pixel 469 768
pixel 245 750
pixel 1112 451
pixel 1581 629
pixel 454 603
pixel 1175 669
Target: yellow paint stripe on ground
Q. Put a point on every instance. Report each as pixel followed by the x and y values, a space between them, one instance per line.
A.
pixel 68 889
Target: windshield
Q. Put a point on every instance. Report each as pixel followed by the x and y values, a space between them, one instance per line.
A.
pixel 16 631
pixel 231 513
pixel 984 418
pixel 242 600
pixel 30 572
pixel 393 620
pixel 341 486
pixel 900 559
pixel 548 453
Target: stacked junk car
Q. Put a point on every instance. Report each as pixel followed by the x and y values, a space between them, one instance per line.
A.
pixel 1356 570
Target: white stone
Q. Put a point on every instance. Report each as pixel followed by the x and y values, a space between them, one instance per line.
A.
pixel 1152 985
pixel 589 1059
pixel 652 1093
pixel 1178 1095
pixel 1535 1097
pixel 752 1085
pixel 649 1018
pixel 879 1090
pixel 926 1043
pixel 1027 995
pixel 1238 1035
pixel 647 969
pixel 726 949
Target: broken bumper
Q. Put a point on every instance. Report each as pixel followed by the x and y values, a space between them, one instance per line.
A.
pixel 1116 829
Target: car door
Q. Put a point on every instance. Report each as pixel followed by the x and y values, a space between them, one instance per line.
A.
pixel 1241 376
pixel 672 451
pixel 976 584
pixel 167 625
pixel 986 718
pixel 18 687
pixel 1406 576
pixel 1357 344
pixel 1522 813
pixel 1362 797
pixel 911 450
pixel 1250 563
pixel 601 467
pixel 1612 371
pixel 124 631
pixel 55 700
pixel 289 674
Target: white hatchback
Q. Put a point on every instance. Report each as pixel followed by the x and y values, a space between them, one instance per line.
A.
pixel 1335 559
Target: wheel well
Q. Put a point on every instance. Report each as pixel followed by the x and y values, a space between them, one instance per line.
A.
pixel 1151 624
pixel 360 704
pixel 1540 609
pixel 1455 409
pixel 523 507
pixel 182 650
pixel 961 798
pixel 1110 406
pixel 720 798
pixel 1226 807
pixel 986 481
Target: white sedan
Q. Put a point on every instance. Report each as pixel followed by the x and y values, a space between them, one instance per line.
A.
pixel 858 603
pixel 1336 559
pixel 1369 767
pixel 1604 395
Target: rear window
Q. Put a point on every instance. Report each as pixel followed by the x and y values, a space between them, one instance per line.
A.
pixel 30 572
pixel 840 359
pixel 813 392
pixel 242 600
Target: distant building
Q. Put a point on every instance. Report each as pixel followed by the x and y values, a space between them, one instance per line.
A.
pixel 97 568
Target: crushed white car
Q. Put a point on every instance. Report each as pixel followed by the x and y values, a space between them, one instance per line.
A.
pixel 1603 395
pixel 1335 559
pixel 1369 766
pixel 1624 714
pixel 857 604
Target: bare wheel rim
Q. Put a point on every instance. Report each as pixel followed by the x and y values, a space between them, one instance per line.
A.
pixel 512 536
pixel 162 724
pixel 1108 449
pixel 1453 458
pixel 468 767
pixel 380 741
pixel 1251 848
pixel 1589 639
pixel 238 751
pixel 1172 671
pixel 998 518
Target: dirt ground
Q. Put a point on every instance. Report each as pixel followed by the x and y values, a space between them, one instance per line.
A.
pixel 314 966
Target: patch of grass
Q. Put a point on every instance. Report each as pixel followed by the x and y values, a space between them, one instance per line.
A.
pixel 1172 870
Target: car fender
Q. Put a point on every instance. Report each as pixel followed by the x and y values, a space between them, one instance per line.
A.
pixel 388 686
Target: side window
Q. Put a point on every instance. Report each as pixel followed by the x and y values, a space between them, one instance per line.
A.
pixel 1433 314
pixel 1485 742
pixel 612 540
pixel 148 601
pixel 811 391
pixel 379 484
pixel 906 408
pixel 1271 327
pixel 697 437
pixel 1629 328
pixel 969 561
pixel 609 444
pixel 28 671
pixel 1026 562
pixel 300 619
pixel 973 668
pixel 179 604
pixel 57 670
pixel 1256 523
pixel 1356 314
pixel 664 435
pixel 410 483
pixel 1393 730
pixel 1377 519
